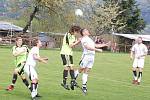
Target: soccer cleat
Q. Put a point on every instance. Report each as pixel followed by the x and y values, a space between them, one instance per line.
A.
pixel 84 90
pixel 72 84
pixel 34 98
pixel 38 95
pixel 134 82
pixel 65 86
pixel 10 88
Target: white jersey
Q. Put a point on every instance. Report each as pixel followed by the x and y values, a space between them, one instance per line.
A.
pixel 139 49
pixel 88 55
pixel 87 41
pixel 30 60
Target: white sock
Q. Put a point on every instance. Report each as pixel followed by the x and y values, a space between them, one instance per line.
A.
pixel 33 93
pixel 135 78
pixel 76 73
pixel 139 79
pixel 84 78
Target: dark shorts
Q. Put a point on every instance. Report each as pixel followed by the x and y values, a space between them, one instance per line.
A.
pixel 67 60
pixel 20 69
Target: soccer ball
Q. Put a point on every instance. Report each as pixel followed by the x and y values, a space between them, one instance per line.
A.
pixel 0 39
pixel 78 12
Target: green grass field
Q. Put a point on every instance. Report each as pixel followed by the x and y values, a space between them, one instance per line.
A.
pixel 110 78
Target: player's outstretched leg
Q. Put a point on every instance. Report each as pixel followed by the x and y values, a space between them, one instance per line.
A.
pixel 84 82
pixel 34 87
pixel 14 79
pixel 64 82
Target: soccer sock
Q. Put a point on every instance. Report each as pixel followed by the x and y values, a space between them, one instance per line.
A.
pixel 135 75
pixel 84 79
pixel 76 73
pixel 33 89
pixel 72 74
pixel 26 83
pixel 139 76
pixel 65 75
pixel 14 79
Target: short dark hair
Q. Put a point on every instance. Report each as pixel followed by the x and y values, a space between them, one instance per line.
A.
pixel 17 38
pixel 75 29
pixel 35 41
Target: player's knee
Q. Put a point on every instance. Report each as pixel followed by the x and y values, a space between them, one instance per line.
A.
pixel 15 71
pixel 22 77
pixel 81 70
pixel 66 68
pixel 34 81
pixel 87 70
pixel 134 69
pixel 71 68
pixel 140 69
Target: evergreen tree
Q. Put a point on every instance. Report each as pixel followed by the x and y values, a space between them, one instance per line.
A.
pixel 132 17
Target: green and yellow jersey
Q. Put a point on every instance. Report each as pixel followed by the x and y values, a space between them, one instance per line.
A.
pixel 67 40
pixel 21 57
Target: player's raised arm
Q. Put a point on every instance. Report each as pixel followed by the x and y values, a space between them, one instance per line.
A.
pixel 101 45
pixel 75 43
pixel 91 48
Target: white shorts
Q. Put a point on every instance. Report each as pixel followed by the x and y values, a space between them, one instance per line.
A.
pixel 138 63
pixel 87 61
pixel 31 72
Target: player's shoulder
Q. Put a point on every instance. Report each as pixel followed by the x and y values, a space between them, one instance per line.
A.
pixel 14 47
pixel 83 39
pixel 135 45
pixel 34 48
pixel 144 45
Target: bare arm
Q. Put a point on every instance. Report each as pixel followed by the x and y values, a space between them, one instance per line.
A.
pixel 101 45
pixel 39 58
pixel 75 43
pixel 132 54
pixel 145 53
pixel 92 48
pixel 16 53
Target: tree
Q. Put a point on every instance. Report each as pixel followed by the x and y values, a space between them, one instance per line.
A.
pixel 106 17
pixel 132 16
pixel 122 16
pixel 52 5
pixel 56 13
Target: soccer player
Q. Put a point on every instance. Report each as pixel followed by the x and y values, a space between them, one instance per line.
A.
pixel 67 56
pixel 138 53
pixel 30 67
pixel 20 53
pixel 87 59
